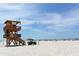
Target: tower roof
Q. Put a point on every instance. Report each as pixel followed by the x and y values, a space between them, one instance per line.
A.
pixel 10 21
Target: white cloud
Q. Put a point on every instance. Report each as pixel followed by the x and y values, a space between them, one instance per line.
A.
pixel 26 27
pixel 60 21
pixel 15 11
pixel 10 7
pixel 55 21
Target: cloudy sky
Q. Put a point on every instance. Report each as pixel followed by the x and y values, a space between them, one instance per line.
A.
pixel 43 21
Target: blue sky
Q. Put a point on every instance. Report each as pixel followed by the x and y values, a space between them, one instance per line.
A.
pixel 43 21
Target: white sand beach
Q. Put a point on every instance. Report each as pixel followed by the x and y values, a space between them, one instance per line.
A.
pixel 45 48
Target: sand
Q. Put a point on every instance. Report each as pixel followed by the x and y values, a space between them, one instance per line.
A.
pixel 45 48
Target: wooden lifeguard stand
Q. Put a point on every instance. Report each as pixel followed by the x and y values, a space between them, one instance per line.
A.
pixel 11 33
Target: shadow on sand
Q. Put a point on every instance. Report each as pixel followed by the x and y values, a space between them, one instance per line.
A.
pixel 13 45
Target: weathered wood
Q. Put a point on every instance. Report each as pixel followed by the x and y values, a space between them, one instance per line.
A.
pixel 11 33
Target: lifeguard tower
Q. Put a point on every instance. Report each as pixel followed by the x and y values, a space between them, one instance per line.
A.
pixel 11 33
